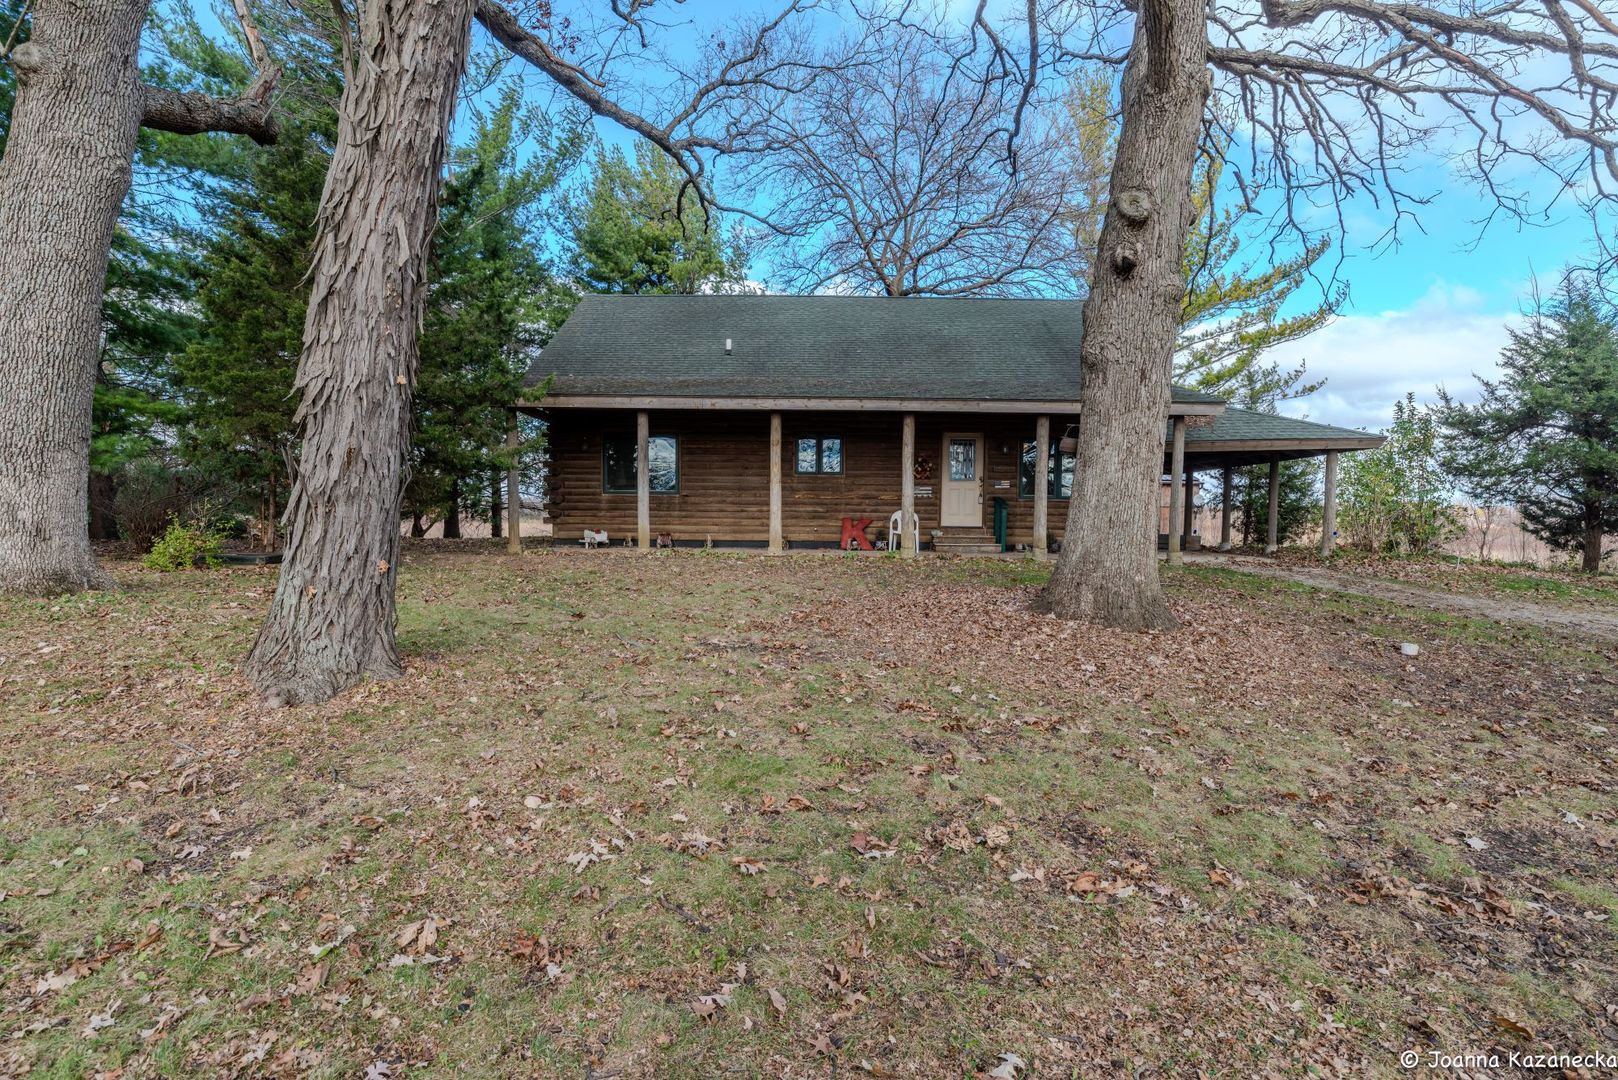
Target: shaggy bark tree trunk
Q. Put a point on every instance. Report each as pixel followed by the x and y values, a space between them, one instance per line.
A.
pixel 64 175
pixel 332 619
pixel 1107 570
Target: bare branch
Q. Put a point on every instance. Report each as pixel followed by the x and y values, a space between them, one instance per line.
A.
pixel 255 43
pixel 186 113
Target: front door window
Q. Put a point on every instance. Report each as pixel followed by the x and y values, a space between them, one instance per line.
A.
pixel 963 459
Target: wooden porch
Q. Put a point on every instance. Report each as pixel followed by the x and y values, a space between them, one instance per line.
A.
pixel 739 480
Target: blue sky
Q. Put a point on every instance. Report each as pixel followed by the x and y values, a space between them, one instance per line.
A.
pixel 1433 311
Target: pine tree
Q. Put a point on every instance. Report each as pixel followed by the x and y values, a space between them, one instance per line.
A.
pixel 635 234
pixel 1236 308
pixel 1298 499
pixel 147 320
pixel 491 303
pixel 237 378
pixel 1544 437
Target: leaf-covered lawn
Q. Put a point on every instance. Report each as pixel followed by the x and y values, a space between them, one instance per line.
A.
pixel 698 815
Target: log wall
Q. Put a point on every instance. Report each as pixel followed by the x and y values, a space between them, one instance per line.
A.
pixel 724 462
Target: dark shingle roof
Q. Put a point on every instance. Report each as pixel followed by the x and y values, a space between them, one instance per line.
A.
pixel 1235 425
pixel 820 346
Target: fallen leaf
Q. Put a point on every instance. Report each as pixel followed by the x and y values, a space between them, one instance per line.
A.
pixel 1507 1024
pixel 417 937
pixel 220 941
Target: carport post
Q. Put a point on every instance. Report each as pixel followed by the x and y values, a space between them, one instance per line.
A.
pixel 1188 522
pixel 1176 492
pixel 513 496
pixel 1272 530
pixel 1328 510
pixel 1224 511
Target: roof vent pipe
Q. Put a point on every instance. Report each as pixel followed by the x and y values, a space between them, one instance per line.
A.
pixel 727 346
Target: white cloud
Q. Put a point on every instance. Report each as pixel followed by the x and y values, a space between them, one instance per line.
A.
pixel 1369 361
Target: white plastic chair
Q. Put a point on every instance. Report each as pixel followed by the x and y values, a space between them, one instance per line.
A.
pixel 896 529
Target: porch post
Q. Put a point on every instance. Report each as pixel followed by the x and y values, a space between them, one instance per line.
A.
pixel 909 538
pixel 1176 492
pixel 1272 530
pixel 643 480
pixel 1042 468
pixel 1189 521
pixel 775 484
pixel 1328 512
pixel 513 496
pixel 1224 511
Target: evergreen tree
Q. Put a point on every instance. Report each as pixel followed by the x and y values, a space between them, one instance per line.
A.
pixel 1545 436
pixel 634 233
pixel 237 378
pixel 147 321
pixel 148 317
pixel 1236 308
pixel 491 303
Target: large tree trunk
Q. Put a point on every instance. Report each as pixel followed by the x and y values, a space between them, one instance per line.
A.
pixel 495 508
pixel 64 175
pixel 103 498
pixel 1107 570
pixel 1592 538
pixel 452 513
pixel 331 622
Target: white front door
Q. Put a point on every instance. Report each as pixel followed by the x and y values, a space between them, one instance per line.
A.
pixel 961 496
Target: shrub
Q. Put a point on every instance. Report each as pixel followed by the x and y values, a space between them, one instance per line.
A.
pixel 150 492
pixel 1398 497
pixel 181 547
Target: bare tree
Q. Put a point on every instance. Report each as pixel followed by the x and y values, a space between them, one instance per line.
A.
pixel 80 104
pixel 1328 96
pixel 331 622
pixel 891 177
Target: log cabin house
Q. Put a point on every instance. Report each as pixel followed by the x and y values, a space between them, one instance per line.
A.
pixel 782 422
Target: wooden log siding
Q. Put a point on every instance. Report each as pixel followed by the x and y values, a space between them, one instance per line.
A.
pixel 724 490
